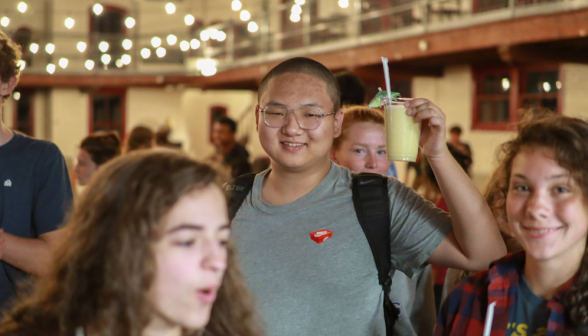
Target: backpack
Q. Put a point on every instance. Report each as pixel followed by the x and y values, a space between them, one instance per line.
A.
pixel 372 206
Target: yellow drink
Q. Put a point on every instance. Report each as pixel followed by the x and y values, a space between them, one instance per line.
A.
pixel 402 133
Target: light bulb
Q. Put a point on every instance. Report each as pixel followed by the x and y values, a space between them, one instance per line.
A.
pixel 296 9
pixel 34 48
pixel 63 63
pixel 127 44
pixel 245 15
pixel 5 21
pixel 126 59
pixel 170 8
pixel 156 42
pixel 89 64
pixel 130 22
pixel 106 59
pixel 194 44
pixel 103 46
pixel 294 17
pixel 236 5
pixel 208 71
pixel 81 46
pixel 205 35
pixel 184 45
pixel 50 48
pixel 221 36
pixel 69 23
pixel 119 63
pixel 252 27
pixel 97 9
pixel 160 52
pixel 145 53
pixel 343 3
pixel 189 20
pixel 22 65
pixel 51 68
pixel 172 39
pixel 22 7
pixel 16 96
pixel 213 33
pixel 299 2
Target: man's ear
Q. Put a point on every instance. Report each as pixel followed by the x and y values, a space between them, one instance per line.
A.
pixel 257 118
pixel 338 123
pixel 6 88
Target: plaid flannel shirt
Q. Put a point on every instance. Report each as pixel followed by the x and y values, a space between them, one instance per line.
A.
pixel 464 310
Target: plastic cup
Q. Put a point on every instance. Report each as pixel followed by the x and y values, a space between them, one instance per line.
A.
pixel 402 132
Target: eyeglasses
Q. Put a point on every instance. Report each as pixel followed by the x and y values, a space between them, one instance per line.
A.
pixel 308 118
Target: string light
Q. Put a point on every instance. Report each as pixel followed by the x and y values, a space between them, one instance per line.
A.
pixel 50 68
pixel 252 27
pixel 156 42
pixel 294 17
pixel 184 45
pixel 208 71
pixel 189 20
pixel 16 95
pixel 145 53
pixel 299 2
pixel 81 46
pixel 207 67
pixel 4 21
pixel 97 9
pixel 172 39
pixel 245 15
pixel 119 63
pixel 50 48
pixel 296 9
pixel 343 3
pixel 194 44
pixel 127 44
pixel 22 7
pixel 213 33
pixel 89 64
pixel 236 5
pixel 160 52
pixel 106 59
pixel 205 35
pixel 22 65
pixel 63 63
pixel 103 46
pixel 221 36
pixel 130 22
pixel 170 8
pixel 126 59
pixel 34 48
pixel 69 23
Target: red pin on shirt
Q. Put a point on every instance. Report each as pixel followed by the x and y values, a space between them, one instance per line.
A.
pixel 321 235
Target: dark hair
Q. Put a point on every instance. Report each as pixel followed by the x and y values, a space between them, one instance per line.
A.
pixel 463 160
pixel 568 139
pixel 141 137
pixel 106 266
pixel 354 115
pixel 352 89
pixel 229 122
pixel 455 129
pixel 309 67
pixel 10 54
pixel 102 146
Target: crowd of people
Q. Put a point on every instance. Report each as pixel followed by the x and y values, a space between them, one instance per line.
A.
pixel 153 247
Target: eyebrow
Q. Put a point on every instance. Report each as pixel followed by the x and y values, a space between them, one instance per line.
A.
pixel 552 177
pixel 194 227
pixel 275 103
pixel 366 145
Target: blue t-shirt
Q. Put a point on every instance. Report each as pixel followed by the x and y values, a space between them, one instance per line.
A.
pixel 529 315
pixel 35 196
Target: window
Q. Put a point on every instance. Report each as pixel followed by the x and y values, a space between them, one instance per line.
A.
pixel 24 112
pixel 501 92
pixel 107 111
pixel 109 27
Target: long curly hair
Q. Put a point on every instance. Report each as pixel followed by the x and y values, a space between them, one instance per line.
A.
pixel 106 264
pixel 10 54
pixel 568 138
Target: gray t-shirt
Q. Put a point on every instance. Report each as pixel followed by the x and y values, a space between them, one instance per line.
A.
pixel 305 288
pixel 530 314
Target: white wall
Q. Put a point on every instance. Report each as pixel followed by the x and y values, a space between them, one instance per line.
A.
pixel 69 120
pixel 574 79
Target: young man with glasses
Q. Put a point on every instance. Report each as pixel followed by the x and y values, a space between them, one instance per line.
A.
pixel 331 288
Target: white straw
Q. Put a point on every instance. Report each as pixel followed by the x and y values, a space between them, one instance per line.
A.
pixel 489 319
pixel 387 77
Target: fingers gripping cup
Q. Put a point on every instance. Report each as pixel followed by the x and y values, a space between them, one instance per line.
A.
pixel 402 132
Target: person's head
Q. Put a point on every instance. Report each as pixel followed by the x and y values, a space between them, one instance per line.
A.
pixel 141 137
pixel 298 141
pixel 95 150
pixel 361 147
pixel 10 54
pixel 223 132
pixel 146 248
pixel 463 161
pixel 352 89
pixel 541 190
pixel 455 133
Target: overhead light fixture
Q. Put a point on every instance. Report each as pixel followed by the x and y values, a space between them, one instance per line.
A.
pixel 221 36
pixel 103 46
pixel 63 62
pixel 50 48
pixel 505 84
pixel 119 63
pixel 294 17
pixel 5 21
pixel 16 95
pixel 97 9
pixel 189 20
pixel 22 7
pixel 22 65
pixel 546 86
pixel 213 32
pixel 34 48
pixel 50 68
pixel 343 3
pixel 184 45
pixel 170 8
pixel 245 15
pixel 208 71
pixel 69 23
pixel 296 9
pixel 236 5
pixel 252 27
pixel 299 2
pixel 172 39
pixel 126 59
pixel 194 44
pixel 81 46
pixel 89 64
pixel 160 52
pixel 106 59
pixel 130 22
pixel 127 44
pixel 205 35
pixel 145 53
pixel 156 42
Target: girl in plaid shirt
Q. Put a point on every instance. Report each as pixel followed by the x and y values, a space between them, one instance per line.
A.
pixel 542 188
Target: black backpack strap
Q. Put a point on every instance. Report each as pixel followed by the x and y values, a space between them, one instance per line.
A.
pixel 236 192
pixel 372 206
